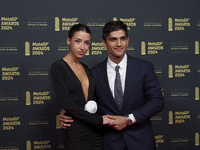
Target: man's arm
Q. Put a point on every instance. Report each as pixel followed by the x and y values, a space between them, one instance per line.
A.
pixel 65 120
pixel 153 105
pixel 154 102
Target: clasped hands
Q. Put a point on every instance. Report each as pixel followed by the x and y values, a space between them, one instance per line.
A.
pixel 116 122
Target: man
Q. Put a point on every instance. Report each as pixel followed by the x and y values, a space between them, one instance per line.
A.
pixel 139 96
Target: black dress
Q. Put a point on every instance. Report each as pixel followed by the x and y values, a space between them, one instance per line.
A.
pixel 84 133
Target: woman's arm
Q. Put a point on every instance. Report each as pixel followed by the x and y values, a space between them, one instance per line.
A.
pixel 62 93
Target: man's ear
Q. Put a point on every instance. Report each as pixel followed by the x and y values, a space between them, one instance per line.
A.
pixel 104 43
pixel 127 40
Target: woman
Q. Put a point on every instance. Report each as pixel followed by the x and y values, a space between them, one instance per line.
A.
pixel 74 87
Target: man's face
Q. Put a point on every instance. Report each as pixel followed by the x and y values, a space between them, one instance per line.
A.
pixel 116 44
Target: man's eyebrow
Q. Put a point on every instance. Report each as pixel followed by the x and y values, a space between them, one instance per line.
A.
pixel 116 37
pixel 112 37
pixel 123 36
pixel 119 37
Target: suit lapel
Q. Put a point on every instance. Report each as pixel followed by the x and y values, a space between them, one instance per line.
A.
pixel 104 84
pixel 131 75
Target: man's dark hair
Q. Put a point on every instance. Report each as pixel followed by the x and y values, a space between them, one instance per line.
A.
pixel 113 26
pixel 78 27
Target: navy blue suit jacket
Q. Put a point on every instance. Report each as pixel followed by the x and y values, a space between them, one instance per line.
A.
pixel 142 97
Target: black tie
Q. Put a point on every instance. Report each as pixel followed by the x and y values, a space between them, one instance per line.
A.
pixel 118 89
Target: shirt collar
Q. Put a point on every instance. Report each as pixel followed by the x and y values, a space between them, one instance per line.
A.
pixel 122 64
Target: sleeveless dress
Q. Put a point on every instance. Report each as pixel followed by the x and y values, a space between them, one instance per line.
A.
pixel 85 131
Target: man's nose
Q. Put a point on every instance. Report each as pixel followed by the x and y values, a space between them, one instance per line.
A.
pixel 119 42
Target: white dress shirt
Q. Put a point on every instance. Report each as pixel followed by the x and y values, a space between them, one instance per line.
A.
pixel 111 73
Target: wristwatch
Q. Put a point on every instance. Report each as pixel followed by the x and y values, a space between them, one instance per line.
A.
pixel 128 120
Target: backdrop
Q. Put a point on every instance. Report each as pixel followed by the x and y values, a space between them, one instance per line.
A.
pixel 33 35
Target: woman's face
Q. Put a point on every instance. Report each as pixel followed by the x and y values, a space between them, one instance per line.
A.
pixel 79 43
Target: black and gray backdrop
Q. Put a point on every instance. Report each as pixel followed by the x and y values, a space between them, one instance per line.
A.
pixel 33 35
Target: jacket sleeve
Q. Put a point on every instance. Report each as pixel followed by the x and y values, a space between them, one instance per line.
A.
pixel 154 102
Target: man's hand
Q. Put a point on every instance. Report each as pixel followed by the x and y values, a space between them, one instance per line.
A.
pixel 119 122
pixel 64 120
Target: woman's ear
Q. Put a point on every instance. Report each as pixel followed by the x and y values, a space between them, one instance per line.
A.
pixel 68 41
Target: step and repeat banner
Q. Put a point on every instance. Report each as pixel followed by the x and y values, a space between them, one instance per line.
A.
pixel 33 35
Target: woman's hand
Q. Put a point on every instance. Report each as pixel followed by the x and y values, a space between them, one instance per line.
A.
pixel 106 120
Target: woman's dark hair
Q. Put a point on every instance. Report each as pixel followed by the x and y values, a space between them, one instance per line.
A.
pixel 78 27
pixel 113 26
